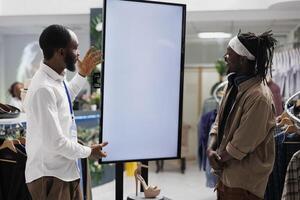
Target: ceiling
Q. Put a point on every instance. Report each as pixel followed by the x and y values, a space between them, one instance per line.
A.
pixel 281 18
pixel 280 28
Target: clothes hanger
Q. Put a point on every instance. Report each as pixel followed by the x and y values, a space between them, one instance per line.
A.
pixel 283 115
pixel 285 121
pixel 22 140
pixel 10 161
pixel 16 141
pixel 297 105
pixel 291 129
pixel 8 144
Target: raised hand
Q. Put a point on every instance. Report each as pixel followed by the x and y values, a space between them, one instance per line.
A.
pixel 97 152
pixel 91 59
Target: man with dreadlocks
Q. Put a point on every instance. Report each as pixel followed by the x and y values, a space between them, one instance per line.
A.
pixel 241 149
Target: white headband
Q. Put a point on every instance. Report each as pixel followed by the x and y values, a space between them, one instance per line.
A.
pixel 240 49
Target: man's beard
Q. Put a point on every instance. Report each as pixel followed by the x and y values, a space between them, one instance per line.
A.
pixel 70 62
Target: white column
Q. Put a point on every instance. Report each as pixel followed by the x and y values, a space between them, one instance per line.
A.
pixel 2 75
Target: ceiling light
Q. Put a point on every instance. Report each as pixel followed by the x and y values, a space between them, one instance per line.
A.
pixel 213 35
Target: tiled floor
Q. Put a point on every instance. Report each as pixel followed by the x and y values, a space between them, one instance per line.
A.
pixel 173 184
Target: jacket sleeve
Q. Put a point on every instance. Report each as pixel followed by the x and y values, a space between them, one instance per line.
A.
pixel 252 130
pixel 45 108
pixel 214 127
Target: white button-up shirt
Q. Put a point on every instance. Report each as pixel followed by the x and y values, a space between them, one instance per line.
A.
pixel 51 151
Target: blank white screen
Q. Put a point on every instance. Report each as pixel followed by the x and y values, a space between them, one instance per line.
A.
pixel 141 80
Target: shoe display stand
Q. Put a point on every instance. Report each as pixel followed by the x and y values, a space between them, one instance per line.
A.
pixel 119 184
pixel 141 197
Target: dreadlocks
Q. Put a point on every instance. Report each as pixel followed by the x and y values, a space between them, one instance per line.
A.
pixel 262 47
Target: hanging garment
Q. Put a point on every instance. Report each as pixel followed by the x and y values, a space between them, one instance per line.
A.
pixel 204 126
pixel 211 178
pixel 12 182
pixel 285 147
pixel 209 105
pixel 273 187
pixel 292 179
pixel 275 89
pixel 286 65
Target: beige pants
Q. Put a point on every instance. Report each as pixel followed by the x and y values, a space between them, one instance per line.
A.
pixel 51 188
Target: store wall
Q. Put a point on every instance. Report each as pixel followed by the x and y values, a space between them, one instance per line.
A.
pixel 12 47
pixel 200 76
pixel 197 84
pixel 190 104
pixel 202 53
pixel 34 7
pixel 291 36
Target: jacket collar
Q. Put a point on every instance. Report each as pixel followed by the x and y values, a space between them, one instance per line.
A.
pixel 242 82
pixel 53 74
pixel 249 83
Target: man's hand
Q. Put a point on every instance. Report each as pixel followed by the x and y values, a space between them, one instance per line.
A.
pixel 97 152
pixel 225 156
pixel 214 159
pixel 91 59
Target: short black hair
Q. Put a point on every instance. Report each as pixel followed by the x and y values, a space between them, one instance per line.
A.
pixel 54 37
pixel 262 47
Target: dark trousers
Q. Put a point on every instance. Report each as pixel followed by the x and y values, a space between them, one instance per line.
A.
pixel 51 188
pixel 227 193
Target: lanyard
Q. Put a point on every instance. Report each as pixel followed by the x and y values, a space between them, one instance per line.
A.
pixel 69 99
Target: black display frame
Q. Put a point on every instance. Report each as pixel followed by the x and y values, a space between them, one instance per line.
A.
pixel 183 35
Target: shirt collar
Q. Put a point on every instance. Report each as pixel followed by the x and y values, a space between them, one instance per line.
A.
pixel 237 79
pixel 53 74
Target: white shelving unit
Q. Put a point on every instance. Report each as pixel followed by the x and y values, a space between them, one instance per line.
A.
pixel 18 120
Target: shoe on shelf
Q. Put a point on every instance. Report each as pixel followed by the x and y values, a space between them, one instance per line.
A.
pixel 149 191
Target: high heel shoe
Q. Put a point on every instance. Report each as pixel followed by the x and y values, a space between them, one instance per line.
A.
pixel 149 191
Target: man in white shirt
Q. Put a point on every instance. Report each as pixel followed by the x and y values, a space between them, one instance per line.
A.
pixel 15 91
pixel 51 141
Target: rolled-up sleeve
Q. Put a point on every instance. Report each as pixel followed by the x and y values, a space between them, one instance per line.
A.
pixel 214 127
pixel 252 129
pixel 53 138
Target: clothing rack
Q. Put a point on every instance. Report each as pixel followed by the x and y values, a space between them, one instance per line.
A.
pixel 13 159
pixel 286 66
pixel 291 115
pixel 287 45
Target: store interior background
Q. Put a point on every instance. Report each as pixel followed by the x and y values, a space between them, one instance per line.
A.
pixel 21 22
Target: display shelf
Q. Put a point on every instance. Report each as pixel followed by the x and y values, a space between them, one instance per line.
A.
pixel 80 117
pixel 87 119
pixel 141 196
pixel 19 120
